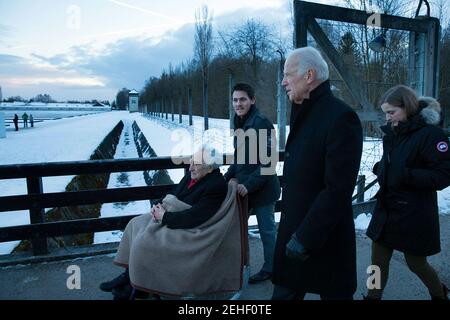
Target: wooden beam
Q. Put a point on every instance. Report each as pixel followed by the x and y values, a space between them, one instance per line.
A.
pixel 90 167
pixel 76 198
pixel 301 25
pixel 61 228
pixel 334 13
pixel 333 55
pixel 431 76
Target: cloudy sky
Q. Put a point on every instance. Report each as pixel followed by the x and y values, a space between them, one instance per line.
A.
pixel 89 49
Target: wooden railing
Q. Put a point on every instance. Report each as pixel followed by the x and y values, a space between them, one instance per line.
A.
pixel 36 200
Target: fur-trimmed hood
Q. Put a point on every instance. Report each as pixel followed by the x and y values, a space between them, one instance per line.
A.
pixel 431 110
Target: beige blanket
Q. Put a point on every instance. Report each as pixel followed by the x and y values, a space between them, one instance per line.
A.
pixel 203 260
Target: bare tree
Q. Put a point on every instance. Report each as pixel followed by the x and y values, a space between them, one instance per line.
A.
pixel 204 51
pixel 252 40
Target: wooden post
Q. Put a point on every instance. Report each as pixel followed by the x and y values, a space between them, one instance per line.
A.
pixel 34 186
pixel 431 76
pixel 281 106
pixel 172 109
pixel 416 62
pixel 301 26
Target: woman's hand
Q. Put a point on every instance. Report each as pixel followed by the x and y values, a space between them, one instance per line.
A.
pixel 158 212
pixel 242 190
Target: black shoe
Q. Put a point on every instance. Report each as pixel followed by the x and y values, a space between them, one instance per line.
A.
pixel 121 280
pixel 369 298
pixel 260 276
pixel 122 292
pixel 444 297
pixel 141 295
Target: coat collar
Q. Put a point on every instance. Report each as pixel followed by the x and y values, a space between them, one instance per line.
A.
pixel 426 116
pixel 200 182
pixel 321 90
pixel 299 111
pixel 253 113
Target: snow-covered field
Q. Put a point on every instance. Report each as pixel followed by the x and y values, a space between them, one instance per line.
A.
pixel 60 140
pixel 125 149
pixel 76 138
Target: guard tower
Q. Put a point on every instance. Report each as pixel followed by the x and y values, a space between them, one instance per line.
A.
pixel 133 101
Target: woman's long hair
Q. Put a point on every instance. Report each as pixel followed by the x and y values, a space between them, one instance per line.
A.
pixel 403 97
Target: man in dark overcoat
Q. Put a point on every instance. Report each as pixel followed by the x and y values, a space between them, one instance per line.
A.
pixel 316 247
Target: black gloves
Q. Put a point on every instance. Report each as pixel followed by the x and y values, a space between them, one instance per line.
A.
pixel 295 250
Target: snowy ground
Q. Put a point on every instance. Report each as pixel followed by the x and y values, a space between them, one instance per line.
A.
pixel 125 149
pixel 60 140
pixel 76 138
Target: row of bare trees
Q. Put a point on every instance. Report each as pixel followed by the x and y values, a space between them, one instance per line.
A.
pixel 248 52
pixel 245 52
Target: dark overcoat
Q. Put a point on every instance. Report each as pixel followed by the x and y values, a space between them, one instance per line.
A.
pixel 205 197
pixel 322 159
pixel 415 163
pixel 262 188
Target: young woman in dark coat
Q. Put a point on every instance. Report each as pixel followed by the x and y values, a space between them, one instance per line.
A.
pixel 415 164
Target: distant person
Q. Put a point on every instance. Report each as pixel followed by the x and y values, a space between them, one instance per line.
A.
pixel 415 164
pixel 316 245
pixel 263 189
pixel 31 120
pixel 25 120
pixel 16 121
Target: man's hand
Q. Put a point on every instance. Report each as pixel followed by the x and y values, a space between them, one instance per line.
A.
pixel 295 250
pixel 242 190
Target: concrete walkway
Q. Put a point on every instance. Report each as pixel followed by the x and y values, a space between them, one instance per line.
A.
pixel 48 280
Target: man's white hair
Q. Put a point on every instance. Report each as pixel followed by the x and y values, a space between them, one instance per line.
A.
pixel 310 58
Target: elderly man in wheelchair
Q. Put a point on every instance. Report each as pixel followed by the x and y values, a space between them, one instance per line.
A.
pixel 192 243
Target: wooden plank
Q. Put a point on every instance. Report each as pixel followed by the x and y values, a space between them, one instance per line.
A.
pixel 341 14
pixel 50 169
pixel 60 228
pixel 46 169
pixel 52 229
pixel 76 198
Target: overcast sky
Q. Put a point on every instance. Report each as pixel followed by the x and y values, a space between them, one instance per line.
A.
pixel 89 49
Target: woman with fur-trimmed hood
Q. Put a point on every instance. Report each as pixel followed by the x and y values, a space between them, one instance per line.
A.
pixel 415 164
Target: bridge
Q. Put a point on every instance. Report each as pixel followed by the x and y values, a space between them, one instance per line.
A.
pixel 42 273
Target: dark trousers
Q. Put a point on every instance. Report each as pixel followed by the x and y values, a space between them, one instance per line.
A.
pixel 283 293
pixel 381 257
